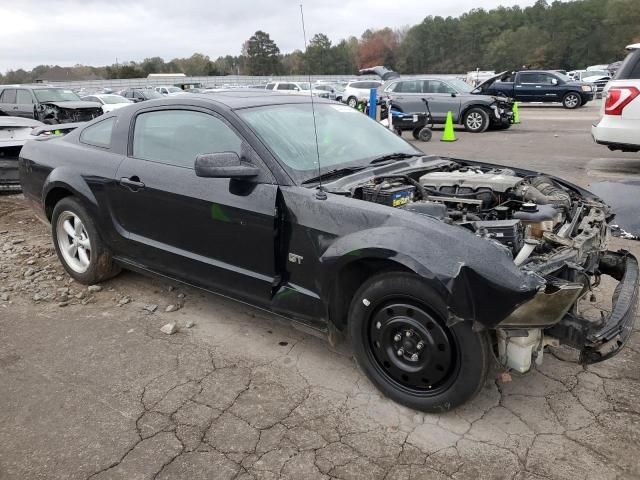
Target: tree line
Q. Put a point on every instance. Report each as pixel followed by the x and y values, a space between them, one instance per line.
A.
pixel 557 35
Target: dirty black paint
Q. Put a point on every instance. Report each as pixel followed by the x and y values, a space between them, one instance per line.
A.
pixel 624 198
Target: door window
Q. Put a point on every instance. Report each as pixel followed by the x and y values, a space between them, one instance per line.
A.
pixel 270 86
pixel 531 78
pixel 409 86
pixel 176 137
pixel 437 86
pixel 8 96
pixel 23 97
pixel 99 134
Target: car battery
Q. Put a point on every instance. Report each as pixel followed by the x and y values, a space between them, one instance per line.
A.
pixel 393 194
pixel 508 232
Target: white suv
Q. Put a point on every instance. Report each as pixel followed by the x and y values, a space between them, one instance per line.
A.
pixel 619 127
pixel 358 91
pixel 296 88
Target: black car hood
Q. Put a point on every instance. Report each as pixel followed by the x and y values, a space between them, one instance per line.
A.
pixel 74 105
pixel 490 81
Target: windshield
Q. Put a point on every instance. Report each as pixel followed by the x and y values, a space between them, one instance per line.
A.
pixel 55 95
pixel 461 86
pixel 111 99
pixel 150 94
pixel 594 73
pixel 346 137
pixel 174 89
pixel 562 76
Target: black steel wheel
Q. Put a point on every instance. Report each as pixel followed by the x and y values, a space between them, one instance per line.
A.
pixel 411 347
pixel 401 340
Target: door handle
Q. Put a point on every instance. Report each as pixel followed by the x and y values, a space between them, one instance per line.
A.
pixel 132 183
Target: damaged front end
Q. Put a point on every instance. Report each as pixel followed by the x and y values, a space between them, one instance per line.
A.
pixel 68 112
pixel 555 232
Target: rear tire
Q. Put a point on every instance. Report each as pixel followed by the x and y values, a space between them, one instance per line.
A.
pixel 390 316
pixel 476 120
pixel 78 245
pixel 571 101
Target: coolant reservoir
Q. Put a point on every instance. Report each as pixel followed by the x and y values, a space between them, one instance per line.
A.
pixel 541 218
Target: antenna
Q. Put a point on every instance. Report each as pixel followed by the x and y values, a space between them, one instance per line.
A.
pixel 320 193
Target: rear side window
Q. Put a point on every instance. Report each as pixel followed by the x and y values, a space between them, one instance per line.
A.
pixel 23 96
pixel 176 137
pixel 99 134
pixel 630 68
pixel 358 85
pixel 8 96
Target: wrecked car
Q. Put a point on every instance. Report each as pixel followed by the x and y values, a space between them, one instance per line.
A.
pixel 430 266
pixel 14 131
pixel 49 105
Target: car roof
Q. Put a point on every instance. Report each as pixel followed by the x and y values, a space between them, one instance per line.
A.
pixel 238 99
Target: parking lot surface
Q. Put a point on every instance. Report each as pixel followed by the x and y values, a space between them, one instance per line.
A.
pixel 91 388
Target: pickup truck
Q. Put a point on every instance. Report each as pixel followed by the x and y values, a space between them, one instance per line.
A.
pixel 539 86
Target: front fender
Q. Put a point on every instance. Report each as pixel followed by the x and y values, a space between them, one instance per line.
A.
pixel 477 280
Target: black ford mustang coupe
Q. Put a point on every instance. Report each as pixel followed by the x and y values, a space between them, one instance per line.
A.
pixel 430 266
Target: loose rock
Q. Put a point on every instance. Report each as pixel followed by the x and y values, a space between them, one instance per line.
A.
pixel 169 328
pixel 171 308
pixel 150 307
pixel 94 288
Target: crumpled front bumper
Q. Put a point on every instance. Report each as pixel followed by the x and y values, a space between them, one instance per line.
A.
pixel 598 341
pixel 618 327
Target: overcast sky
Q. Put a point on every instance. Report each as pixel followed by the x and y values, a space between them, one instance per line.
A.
pixel 96 32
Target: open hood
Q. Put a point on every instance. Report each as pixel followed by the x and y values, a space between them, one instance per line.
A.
pixel 383 72
pixel 482 87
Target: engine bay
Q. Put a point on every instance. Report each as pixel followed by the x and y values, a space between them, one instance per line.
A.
pixel 542 224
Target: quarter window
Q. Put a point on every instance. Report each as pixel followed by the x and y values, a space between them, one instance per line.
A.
pixel 8 96
pixel 99 134
pixel 176 137
pixel 437 86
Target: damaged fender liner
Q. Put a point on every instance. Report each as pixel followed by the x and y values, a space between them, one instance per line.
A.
pixel 599 341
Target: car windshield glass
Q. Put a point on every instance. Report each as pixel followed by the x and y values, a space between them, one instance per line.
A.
pixel 55 95
pixel 174 89
pixel 150 94
pixel 111 99
pixel 460 85
pixel 346 137
pixel 562 77
pixel 595 73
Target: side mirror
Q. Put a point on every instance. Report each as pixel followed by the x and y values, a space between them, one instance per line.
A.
pixel 223 165
pixel 554 81
pixel 454 94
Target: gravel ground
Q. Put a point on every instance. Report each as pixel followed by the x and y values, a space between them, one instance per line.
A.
pixel 91 388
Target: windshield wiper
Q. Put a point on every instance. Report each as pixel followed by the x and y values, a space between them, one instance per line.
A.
pixel 394 156
pixel 338 172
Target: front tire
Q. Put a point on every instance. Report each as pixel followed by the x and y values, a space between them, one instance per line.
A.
pixel 476 120
pixel 352 102
pixel 400 339
pixel 78 245
pixel 571 101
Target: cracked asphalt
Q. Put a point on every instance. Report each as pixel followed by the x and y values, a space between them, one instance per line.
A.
pixel 90 388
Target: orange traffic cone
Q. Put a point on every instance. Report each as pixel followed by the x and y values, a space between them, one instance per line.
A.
pixel 449 134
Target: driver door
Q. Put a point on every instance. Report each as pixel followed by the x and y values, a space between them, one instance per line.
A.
pixel 217 233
